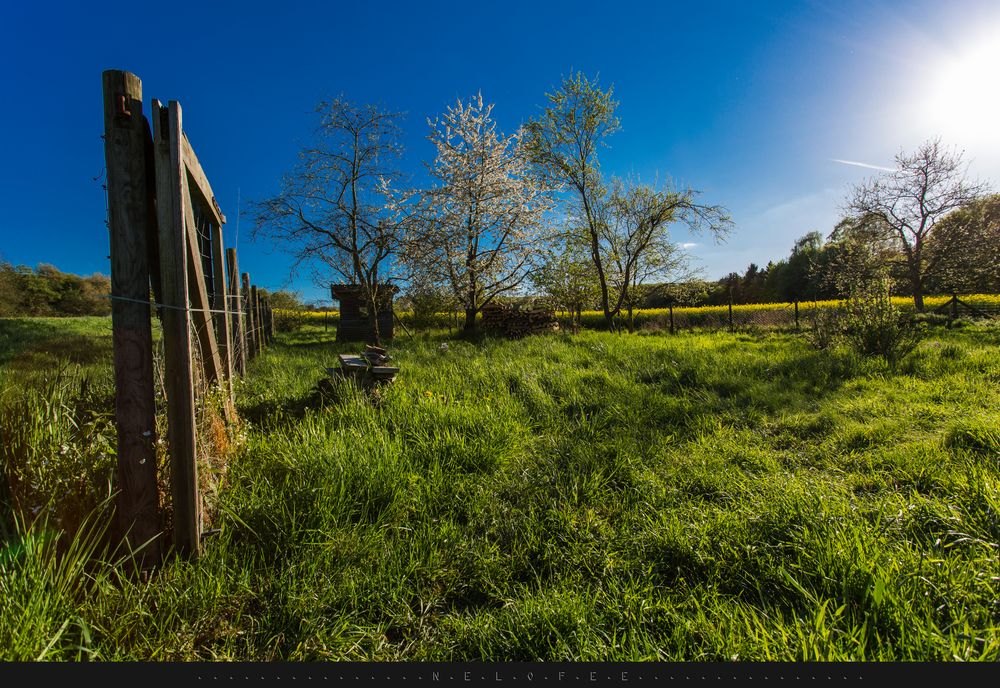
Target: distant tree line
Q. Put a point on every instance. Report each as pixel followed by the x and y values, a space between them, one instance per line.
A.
pixel 47 291
pixel 961 255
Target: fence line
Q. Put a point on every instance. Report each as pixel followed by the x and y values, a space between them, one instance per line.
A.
pixel 166 236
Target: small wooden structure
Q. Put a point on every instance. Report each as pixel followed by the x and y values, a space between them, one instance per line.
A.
pixel 354 324
pixel 367 369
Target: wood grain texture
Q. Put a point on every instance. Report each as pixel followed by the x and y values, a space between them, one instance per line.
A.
pixel 178 373
pixel 198 294
pixel 236 305
pixel 258 333
pixel 198 181
pixel 222 323
pixel 251 323
pixel 129 215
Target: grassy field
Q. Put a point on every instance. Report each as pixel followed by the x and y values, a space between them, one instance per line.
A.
pixel 591 497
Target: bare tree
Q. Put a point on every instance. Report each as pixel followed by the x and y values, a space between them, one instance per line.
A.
pixel 626 224
pixel 925 186
pixel 482 223
pixel 337 211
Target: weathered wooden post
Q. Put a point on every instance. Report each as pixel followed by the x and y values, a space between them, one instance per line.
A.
pixel 130 220
pixel 263 319
pixel 258 342
pixel 730 310
pixel 270 323
pixel 796 315
pixel 222 330
pixel 671 308
pixel 251 325
pixel 236 306
pixel 172 197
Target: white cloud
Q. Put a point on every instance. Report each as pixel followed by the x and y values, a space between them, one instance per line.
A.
pixel 688 245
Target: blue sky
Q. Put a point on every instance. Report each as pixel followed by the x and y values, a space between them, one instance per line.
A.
pixel 752 103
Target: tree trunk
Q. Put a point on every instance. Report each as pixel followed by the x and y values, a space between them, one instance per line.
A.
pixel 470 320
pixel 631 320
pixel 373 329
pixel 918 292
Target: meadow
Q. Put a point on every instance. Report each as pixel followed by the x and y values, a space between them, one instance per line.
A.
pixel 745 316
pixel 702 496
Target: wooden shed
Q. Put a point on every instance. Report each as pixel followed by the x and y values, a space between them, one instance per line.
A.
pixel 354 325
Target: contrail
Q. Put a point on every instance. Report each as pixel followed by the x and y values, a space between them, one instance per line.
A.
pixel 863 164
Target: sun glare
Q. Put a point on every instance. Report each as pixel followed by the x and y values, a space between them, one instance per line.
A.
pixel 960 100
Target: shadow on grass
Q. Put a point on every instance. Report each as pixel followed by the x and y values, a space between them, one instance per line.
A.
pixel 33 344
pixel 274 413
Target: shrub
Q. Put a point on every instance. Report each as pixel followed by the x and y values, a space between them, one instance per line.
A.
pixel 827 327
pixel 875 326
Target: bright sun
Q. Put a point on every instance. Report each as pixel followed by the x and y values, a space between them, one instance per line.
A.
pixel 960 100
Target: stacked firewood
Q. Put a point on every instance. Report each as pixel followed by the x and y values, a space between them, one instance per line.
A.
pixel 519 322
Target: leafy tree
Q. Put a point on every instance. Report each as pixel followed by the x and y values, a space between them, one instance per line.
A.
pixel 284 299
pixel 566 276
pixel 860 251
pixel 622 222
pixel 46 291
pixel 9 291
pixel 965 248
pixel 906 205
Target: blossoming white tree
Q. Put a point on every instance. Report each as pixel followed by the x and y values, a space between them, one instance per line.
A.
pixel 482 222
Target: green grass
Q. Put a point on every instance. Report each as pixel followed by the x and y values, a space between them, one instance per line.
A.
pixel 588 497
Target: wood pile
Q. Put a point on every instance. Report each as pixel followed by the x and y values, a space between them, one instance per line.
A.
pixel 518 322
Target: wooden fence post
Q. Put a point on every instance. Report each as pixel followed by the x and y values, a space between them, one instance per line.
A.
pixel 270 323
pixel 796 315
pixel 730 310
pixel 222 330
pixel 265 316
pixel 171 192
pixel 671 307
pixel 236 305
pixel 251 325
pixel 126 135
pixel 257 329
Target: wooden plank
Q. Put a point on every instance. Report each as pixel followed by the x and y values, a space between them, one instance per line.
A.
pixel 221 303
pixel 236 305
pixel 178 373
pixel 200 305
pixel 258 329
pixel 351 362
pixel 130 219
pixel 248 309
pixel 199 180
pixel 270 323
